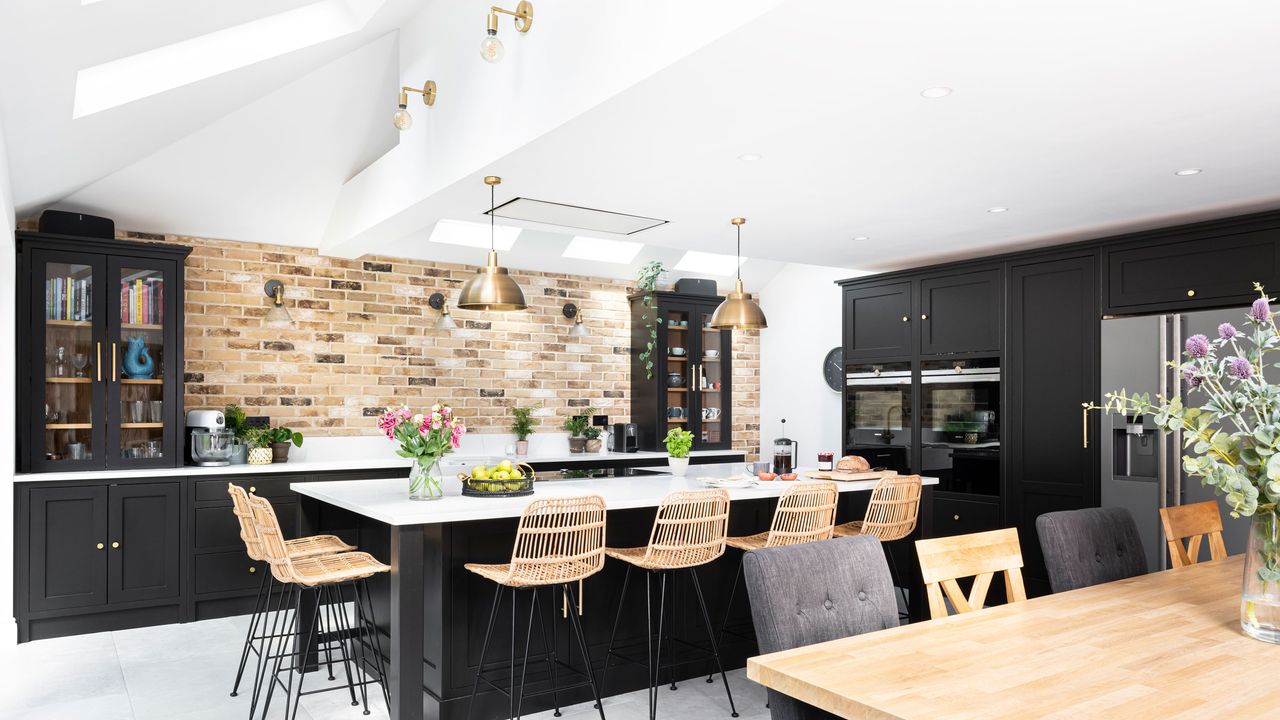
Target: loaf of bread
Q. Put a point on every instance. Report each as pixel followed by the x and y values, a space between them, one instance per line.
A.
pixel 853 464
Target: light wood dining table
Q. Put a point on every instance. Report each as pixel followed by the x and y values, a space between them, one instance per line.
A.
pixel 1164 645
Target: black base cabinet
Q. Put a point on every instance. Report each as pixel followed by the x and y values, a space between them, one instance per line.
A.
pixel 96 555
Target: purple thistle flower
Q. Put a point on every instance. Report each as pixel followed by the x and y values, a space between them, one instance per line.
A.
pixel 1192 380
pixel 1226 331
pixel 1197 346
pixel 1240 368
pixel 1260 311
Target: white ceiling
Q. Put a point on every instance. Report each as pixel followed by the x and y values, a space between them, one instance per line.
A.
pixel 1073 115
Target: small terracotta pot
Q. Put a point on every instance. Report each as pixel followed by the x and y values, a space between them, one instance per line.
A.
pixel 577 444
pixel 280 452
pixel 522 448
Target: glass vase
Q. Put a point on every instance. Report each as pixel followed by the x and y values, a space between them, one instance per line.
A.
pixel 1260 600
pixel 426 481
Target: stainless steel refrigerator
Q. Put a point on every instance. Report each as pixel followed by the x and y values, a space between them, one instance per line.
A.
pixel 1141 465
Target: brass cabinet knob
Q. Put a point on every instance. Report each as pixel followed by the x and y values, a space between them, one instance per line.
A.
pixel 115 545
pixel 1191 293
pixel 100 546
pixel 906 319
pixel 955 517
pixel 924 317
pixel 253 489
pixel 253 569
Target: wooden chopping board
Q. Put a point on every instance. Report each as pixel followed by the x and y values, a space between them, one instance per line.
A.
pixel 849 476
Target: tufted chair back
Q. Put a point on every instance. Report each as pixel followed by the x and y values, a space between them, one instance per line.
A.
pixel 811 593
pixel 1090 546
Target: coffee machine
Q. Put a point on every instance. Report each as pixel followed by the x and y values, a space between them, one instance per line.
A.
pixel 625 437
pixel 209 441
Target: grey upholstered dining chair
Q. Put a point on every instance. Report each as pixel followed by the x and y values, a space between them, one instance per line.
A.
pixel 811 593
pixel 1090 546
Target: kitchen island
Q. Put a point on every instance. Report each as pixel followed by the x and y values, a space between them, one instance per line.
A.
pixel 434 612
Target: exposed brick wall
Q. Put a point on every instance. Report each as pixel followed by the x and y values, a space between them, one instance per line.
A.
pixel 362 339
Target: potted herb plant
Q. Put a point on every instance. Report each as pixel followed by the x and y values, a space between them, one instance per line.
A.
pixel 577 425
pixel 522 426
pixel 679 442
pixel 238 423
pixel 255 440
pixel 1232 443
pixel 278 439
pixel 594 443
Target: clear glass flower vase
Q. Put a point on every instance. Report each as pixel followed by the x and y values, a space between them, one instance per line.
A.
pixel 1260 599
pixel 426 481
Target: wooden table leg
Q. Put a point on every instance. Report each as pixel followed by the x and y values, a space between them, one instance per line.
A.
pixel 408 608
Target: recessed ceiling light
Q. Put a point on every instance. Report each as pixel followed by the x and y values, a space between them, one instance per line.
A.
pixel 750 157
pixel 602 250
pixel 997 209
pixel 710 263
pixel 935 92
pixel 469 234
pixel 861 237
pixel 1188 171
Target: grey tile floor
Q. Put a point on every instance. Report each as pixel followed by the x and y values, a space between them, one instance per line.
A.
pixel 184 672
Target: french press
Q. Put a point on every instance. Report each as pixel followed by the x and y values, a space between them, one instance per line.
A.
pixel 785 452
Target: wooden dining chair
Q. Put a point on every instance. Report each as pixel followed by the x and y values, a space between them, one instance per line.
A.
pixel 1192 522
pixel 978 555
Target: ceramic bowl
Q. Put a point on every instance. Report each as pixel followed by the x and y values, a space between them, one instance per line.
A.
pixel 678 351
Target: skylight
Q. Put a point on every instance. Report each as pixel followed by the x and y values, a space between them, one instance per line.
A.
pixel 710 263
pixel 139 76
pixel 458 232
pixel 602 250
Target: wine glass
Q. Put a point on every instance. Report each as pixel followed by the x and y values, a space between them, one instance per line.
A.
pixel 80 361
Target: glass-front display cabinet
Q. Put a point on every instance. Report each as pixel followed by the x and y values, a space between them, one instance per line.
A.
pixel 101 355
pixel 681 371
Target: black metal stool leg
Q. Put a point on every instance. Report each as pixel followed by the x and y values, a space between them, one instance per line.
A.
pixel 301 654
pixel 278 627
pixel 728 609
pixel 582 645
pixel 338 612
pixel 715 648
pixel 376 648
pixel 657 657
pixel 897 577
pixel 257 617
pixel 528 636
pixel 622 598
pixel 549 646
pixel 484 649
pixel 291 627
pixel 671 643
pixel 358 644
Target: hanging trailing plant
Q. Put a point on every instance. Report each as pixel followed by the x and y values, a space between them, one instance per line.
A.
pixel 648 281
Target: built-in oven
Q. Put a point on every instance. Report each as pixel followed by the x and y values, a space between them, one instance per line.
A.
pixel 878 420
pixel 960 424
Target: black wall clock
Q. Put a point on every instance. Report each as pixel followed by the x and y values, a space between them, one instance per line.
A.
pixel 833 368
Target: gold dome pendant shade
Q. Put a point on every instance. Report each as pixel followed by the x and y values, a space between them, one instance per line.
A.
pixel 492 288
pixel 738 311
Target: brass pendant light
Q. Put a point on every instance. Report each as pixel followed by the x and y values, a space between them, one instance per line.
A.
pixel 738 311
pixel 492 288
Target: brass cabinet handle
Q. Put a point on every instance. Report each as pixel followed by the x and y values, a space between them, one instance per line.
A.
pixel 115 545
pixel 100 546
pixel 1191 293
pixel 253 569
pixel 114 374
pixel 99 363
pixel 1084 427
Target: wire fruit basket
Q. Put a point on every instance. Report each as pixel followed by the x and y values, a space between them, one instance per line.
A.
pixel 507 487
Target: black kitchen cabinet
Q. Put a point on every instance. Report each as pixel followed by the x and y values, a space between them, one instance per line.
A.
pixel 1052 367
pixel 690 384
pixel 878 320
pixel 960 312
pixel 146 545
pixel 959 515
pixel 68 539
pixel 1214 271
pixel 100 353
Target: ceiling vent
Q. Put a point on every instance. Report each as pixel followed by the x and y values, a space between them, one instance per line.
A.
pixel 572 216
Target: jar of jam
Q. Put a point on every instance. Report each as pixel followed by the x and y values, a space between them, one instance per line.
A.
pixel 826 461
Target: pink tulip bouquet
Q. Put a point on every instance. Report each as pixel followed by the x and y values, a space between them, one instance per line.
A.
pixel 425 438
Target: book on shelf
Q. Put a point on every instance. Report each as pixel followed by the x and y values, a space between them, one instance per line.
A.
pixel 142 301
pixel 68 298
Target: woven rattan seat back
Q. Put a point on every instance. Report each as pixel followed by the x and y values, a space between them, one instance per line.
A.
pixel 689 529
pixel 267 526
pixel 1192 522
pixel 560 540
pixel 244 513
pixel 894 508
pixel 806 512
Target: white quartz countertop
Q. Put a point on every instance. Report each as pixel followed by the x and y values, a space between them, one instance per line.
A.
pixel 351 464
pixel 387 501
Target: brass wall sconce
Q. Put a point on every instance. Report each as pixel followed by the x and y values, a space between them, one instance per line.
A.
pixel 278 315
pixel 437 301
pixel 402 119
pixel 491 48
pixel 572 312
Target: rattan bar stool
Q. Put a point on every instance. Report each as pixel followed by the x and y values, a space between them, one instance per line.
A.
pixel 297 548
pixel 325 575
pixel 892 514
pixel 559 542
pixel 806 513
pixel 688 532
